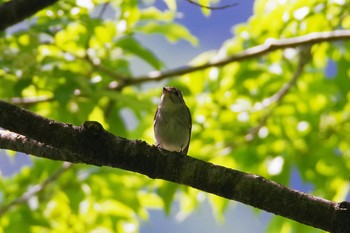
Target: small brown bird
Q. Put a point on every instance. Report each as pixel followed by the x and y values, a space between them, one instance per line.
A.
pixel 172 122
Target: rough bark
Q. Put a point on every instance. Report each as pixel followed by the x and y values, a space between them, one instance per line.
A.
pixel 91 144
pixel 15 11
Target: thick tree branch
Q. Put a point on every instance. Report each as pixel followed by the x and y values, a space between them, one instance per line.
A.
pixel 17 142
pixel 269 46
pixel 15 11
pixel 95 146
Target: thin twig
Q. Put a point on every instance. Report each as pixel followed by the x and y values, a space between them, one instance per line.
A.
pixel 269 46
pixel 103 69
pixel 33 190
pixel 104 7
pixel 28 101
pixel 212 7
pixel 94 65
pixel 304 57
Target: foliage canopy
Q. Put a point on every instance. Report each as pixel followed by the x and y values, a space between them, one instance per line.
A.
pixel 73 62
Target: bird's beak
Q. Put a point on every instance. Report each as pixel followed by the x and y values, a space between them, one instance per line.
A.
pixel 166 91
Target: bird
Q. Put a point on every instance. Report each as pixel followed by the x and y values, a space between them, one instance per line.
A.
pixel 172 122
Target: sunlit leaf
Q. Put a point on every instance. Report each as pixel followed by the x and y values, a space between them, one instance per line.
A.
pixel 133 46
pixel 172 31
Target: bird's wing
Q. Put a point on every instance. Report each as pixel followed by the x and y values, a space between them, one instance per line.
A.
pixel 185 150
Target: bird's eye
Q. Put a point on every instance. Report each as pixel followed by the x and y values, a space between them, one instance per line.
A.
pixel 177 93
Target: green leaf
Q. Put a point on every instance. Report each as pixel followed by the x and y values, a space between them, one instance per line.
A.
pixel 20 85
pixel 153 13
pixel 116 122
pixel 133 46
pixel 167 193
pixel 172 31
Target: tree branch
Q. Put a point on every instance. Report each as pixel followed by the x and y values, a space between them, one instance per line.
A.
pixel 95 146
pixel 303 58
pixel 212 7
pixel 34 190
pixel 28 101
pixel 269 46
pixel 20 143
pixel 14 11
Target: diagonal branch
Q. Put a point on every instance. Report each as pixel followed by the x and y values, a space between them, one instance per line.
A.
pixel 15 11
pixel 29 101
pixel 95 146
pixel 36 189
pixel 303 59
pixel 269 46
